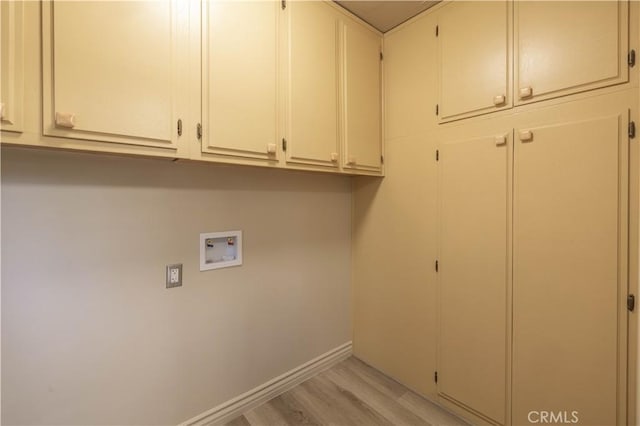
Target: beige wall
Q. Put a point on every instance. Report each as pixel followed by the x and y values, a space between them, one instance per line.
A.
pixel 89 333
pixel 395 289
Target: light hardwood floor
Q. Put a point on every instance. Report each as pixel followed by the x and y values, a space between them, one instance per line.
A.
pixel 349 393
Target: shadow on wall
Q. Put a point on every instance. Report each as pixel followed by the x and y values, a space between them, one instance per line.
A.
pixel 50 167
pixel 365 190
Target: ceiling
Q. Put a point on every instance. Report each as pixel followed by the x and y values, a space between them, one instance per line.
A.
pixel 386 14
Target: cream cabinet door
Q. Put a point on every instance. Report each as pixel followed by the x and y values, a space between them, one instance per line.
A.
pixel 564 47
pixel 569 280
pixel 473 274
pixel 240 69
pixel 111 70
pixel 362 97
pixel 313 84
pixel 12 66
pixel 475 58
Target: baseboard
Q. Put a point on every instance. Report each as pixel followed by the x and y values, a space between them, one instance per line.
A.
pixel 233 408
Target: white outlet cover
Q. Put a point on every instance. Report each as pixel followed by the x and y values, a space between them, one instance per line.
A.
pixel 220 250
pixel 174 275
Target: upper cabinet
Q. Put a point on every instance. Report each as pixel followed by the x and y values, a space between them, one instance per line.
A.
pixel 112 71
pixel 239 77
pixel 333 90
pixel 301 88
pixel 362 97
pixel 558 48
pixel 567 47
pixel 11 62
pixel 313 78
pixel 286 84
pixel 474 43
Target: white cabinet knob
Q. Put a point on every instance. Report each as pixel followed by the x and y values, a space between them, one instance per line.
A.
pixel 501 140
pixel 526 92
pixel 65 119
pixel 498 100
pixel 271 148
pixel 525 135
pixel 351 160
pixel 334 156
pixel 2 111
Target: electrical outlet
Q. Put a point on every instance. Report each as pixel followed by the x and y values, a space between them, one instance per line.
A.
pixel 174 275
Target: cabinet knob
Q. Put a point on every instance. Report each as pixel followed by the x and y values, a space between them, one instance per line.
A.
pixel 525 92
pixel 501 140
pixel 271 148
pixel 2 111
pixel 499 100
pixel 65 119
pixel 334 156
pixel 351 160
pixel 525 135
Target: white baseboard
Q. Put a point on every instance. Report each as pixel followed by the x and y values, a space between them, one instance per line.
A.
pixel 233 408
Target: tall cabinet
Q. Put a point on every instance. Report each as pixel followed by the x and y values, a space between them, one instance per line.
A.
pixel 475 182
pixel 533 211
pixel 569 268
pixel 536 299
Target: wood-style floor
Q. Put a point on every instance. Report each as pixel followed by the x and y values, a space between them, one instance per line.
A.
pixel 349 393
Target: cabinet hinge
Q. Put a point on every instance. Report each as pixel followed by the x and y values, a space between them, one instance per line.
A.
pixel 284 144
pixel 437 30
pixel 179 127
pixel 284 4
pixel 382 159
pixel 437 109
pixel 199 131
pixel 437 155
pixel 381 56
pixel 632 129
pixel 437 266
pixel 631 302
pixel 631 58
pixel 435 376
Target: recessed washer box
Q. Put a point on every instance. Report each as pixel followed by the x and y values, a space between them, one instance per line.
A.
pixel 220 249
